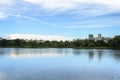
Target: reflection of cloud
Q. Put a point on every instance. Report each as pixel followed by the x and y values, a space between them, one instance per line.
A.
pixel 31 53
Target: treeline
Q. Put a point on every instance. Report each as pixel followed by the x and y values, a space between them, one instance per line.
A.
pixel 112 43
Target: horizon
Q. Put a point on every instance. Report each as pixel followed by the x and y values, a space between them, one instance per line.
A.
pixel 63 18
pixel 50 37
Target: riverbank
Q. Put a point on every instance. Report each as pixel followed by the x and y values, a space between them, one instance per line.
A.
pixel 81 44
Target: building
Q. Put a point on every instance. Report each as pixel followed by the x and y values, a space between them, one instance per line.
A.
pixel 91 37
pixel 1 38
pixel 99 37
pixel 106 39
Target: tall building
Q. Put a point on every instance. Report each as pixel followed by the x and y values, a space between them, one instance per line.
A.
pixel 99 37
pixel 91 37
pixel 1 38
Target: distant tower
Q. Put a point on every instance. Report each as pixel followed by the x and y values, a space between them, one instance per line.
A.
pixel 1 38
pixel 99 37
pixel 91 37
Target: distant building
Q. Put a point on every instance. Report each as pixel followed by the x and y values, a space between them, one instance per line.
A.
pixel 106 39
pixel 91 37
pixel 1 38
pixel 99 37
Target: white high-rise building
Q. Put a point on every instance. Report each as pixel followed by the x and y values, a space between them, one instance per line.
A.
pixel 99 37
pixel 91 37
pixel 1 38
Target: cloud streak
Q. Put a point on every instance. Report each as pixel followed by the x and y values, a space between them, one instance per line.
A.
pixel 6 2
pixel 76 11
pixel 88 6
pixel 77 7
pixel 3 15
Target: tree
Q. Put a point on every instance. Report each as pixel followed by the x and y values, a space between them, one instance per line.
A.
pixel 115 42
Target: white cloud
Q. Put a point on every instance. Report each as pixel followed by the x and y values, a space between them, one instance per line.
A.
pixel 31 10
pixel 112 3
pixel 6 2
pixel 70 4
pixel 79 8
pixel 58 5
pixel 37 37
pixel 2 15
pixel 84 8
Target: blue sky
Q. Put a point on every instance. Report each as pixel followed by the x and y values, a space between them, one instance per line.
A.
pixel 69 18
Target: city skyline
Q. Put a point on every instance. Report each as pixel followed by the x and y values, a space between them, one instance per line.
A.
pixel 55 38
pixel 67 18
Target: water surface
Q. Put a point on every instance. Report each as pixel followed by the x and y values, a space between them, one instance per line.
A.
pixel 59 64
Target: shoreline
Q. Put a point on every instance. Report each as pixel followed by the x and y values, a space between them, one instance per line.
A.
pixel 64 47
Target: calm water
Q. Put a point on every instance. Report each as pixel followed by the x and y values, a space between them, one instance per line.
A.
pixel 59 64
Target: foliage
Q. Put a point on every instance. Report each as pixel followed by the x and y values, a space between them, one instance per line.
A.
pixel 112 43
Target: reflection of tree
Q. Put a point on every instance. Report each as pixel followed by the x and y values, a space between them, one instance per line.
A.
pixel 76 51
pixel 117 57
pixel 60 51
pixel 99 55
pixel 91 55
pixel 2 52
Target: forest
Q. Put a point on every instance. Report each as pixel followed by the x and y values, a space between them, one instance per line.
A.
pixel 77 43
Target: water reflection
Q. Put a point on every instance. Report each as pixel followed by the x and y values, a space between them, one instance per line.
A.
pixel 76 52
pixel 117 57
pixel 20 53
pixel 59 64
pixel 91 55
pixel 100 55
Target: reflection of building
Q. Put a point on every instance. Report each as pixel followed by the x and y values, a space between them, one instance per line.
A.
pixel 91 55
pixel 91 37
pixel 99 55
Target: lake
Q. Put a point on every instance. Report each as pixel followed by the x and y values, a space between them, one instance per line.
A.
pixel 59 64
